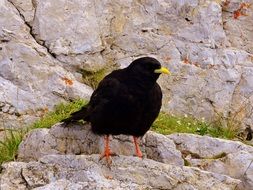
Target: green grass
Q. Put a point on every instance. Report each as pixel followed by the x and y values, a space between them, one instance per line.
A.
pixel 60 112
pixel 9 145
pixel 168 124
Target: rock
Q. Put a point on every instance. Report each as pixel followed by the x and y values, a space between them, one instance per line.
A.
pixel 162 149
pixel 207 147
pixel 198 31
pixel 85 172
pixel 207 46
pixel 237 165
pixel 26 9
pixel 238 29
pixel 14 179
pixel 211 154
pixel 71 35
pixel 211 80
pixel 216 155
pixel 79 139
pixel 30 78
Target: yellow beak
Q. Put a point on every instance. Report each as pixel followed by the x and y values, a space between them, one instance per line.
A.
pixel 162 70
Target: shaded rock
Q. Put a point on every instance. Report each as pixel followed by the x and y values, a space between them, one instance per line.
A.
pixel 216 155
pixel 70 171
pixel 79 139
pixel 236 165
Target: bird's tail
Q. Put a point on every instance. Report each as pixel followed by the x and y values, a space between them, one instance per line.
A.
pixel 82 114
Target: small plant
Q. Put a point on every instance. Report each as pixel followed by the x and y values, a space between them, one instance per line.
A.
pixel 231 124
pixel 164 124
pixel 9 146
pixel 241 10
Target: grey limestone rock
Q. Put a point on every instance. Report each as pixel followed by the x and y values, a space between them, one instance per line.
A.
pixel 85 172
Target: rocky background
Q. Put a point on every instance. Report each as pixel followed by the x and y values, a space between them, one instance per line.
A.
pixel 47 48
pixel 51 49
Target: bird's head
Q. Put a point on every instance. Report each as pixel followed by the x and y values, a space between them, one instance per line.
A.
pixel 148 67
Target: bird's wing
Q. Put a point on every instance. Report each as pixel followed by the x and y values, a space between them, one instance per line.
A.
pixel 153 105
pixel 107 89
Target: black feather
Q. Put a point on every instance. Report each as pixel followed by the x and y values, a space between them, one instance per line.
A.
pixel 127 101
pixel 76 116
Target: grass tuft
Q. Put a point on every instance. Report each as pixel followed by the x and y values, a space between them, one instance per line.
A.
pixel 9 146
pixel 168 124
pixel 61 111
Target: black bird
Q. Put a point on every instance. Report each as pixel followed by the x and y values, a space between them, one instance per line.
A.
pixel 126 101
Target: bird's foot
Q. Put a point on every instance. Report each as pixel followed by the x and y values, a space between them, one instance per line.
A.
pixel 108 156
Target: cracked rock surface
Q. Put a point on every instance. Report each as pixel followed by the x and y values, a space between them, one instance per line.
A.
pixel 31 80
pixel 206 44
pixel 222 157
pixel 85 172
pixel 79 139
pixel 217 155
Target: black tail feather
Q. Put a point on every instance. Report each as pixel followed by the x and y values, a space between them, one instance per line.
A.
pixel 78 115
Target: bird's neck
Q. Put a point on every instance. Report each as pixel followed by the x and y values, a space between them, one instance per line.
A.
pixel 141 81
pixel 143 84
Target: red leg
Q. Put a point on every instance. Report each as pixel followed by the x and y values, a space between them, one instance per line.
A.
pixel 137 148
pixel 107 152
